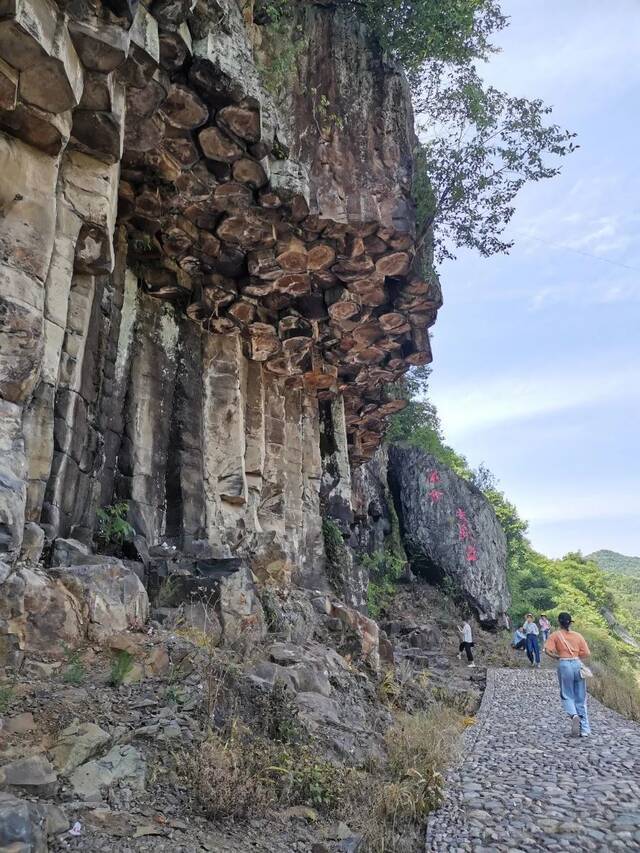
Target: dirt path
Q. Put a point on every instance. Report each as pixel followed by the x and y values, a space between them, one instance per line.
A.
pixel 524 784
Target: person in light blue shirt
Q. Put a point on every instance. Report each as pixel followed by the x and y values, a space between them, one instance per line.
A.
pixel 519 641
pixel 531 631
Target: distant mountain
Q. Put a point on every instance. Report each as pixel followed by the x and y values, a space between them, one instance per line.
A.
pixel 611 561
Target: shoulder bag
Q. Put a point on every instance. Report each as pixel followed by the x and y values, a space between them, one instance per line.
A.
pixel 585 672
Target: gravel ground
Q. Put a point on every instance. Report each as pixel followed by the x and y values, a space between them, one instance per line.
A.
pixel 523 784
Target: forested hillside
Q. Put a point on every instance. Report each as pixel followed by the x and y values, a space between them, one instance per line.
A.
pixel 611 561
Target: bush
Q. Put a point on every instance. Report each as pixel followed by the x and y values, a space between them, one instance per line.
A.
pixel 278 714
pixel 113 527
pixel 242 774
pixel 420 747
pixel 74 672
pixel 338 556
pixel 120 667
pixel 384 570
pixel 7 695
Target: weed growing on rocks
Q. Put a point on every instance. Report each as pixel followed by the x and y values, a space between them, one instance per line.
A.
pixel 241 774
pixel 74 672
pixel 7 694
pixel 120 667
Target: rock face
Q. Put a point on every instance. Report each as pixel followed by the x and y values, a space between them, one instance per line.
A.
pixel 450 531
pixel 187 278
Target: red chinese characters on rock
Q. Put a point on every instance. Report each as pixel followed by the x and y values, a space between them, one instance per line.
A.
pixel 435 495
pixel 464 535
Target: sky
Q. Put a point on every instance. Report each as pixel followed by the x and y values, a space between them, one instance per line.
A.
pixel 537 353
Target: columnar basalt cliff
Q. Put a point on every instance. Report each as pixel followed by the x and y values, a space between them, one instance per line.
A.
pixel 193 269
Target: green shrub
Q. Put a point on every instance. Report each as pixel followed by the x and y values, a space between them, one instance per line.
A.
pixel 337 553
pixel 278 714
pixel 243 774
pixel 113 527
pixel 7 694
pixel 120 667
pixel 74 672
pixel 384 569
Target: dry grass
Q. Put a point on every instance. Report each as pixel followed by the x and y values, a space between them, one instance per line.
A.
pixel 241 775
pixel 419 747
pixel 617 691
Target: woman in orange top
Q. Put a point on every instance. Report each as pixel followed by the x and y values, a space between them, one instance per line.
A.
pixel 569 648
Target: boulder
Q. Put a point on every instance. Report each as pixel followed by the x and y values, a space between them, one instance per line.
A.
pixel 450 530
pixel 241 612
pixel 22 825
pixel 34 773
pixel 112 597
pixel 122 764
pixel 32 543
pixel 44 612
pixel 76 744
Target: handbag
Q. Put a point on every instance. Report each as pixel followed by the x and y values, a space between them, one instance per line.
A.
pixel 585 672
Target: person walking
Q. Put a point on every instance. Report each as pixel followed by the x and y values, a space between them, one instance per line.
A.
pixel 570 648
pixel 545 628
pixel 531 632
pixel 466 642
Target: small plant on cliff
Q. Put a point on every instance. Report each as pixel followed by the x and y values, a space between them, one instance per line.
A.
pixel 74 672
pixel 338 558
pixel 284 41
pixel 121 666
pixel 7 694
pixel 113 527
pixel 384 570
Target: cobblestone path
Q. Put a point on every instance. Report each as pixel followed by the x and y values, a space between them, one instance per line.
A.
pixel 523 784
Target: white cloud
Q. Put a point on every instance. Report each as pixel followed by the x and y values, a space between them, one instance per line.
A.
pixel 605 291
pixel 467 407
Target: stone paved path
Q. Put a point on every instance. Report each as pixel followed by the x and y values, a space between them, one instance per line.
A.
pixel 524 784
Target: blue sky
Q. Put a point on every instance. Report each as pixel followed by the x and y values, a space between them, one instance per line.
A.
pixel 537 354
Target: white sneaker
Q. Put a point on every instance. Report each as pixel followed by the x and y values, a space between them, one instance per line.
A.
pixel 575 726
pixel 471 664
pixel 585 734
pixel 459 656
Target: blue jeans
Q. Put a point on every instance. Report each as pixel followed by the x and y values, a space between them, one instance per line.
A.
pixel 573 692
pixel 533 649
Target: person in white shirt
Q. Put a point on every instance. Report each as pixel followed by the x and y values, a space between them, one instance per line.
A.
pixel 466 642
pixel 531 631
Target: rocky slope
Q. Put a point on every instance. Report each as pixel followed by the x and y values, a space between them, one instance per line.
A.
pixel 209 279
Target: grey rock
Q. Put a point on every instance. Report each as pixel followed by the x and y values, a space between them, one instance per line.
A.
pixel 22 823
pixel 122 764
pixel 76 744
pixel 35 773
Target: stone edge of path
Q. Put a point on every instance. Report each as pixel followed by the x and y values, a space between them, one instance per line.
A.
pixel 469 738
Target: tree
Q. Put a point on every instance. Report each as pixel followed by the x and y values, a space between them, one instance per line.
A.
pixel 480 147
pixel 419 31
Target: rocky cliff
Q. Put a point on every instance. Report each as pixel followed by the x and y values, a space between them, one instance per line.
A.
pixel 208 276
